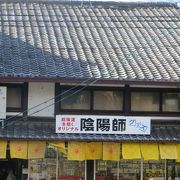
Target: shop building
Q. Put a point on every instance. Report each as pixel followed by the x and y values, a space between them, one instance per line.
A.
pixel 90 90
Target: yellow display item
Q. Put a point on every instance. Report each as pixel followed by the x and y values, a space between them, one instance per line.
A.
pixel 131 151
pixel 111 151
pixel 76 151
pixel 3 147
pixel 149 151
pixel 18 149
pixel 59 145
pixel 93 150
pixel 168 151
pixel 36 149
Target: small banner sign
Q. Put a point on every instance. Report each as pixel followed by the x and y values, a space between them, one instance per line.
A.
pixel 102 124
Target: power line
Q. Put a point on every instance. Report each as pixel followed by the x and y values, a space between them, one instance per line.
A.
pixel 74 87
pixel 77 91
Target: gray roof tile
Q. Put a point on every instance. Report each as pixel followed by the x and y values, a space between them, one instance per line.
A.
pixel 57 40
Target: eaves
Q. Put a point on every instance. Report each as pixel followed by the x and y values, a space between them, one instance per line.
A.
pixel 94 81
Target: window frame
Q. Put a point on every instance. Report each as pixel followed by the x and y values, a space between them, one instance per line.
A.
pixel 24 96
pixel 145 91
pixel 91 110
pixel 161 91
pixel 108 89
pixel 74 110
pixel 173 92
pixel 126 92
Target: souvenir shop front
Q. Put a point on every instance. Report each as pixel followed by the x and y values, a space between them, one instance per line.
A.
pixel 60 165
pixel 109 165
pixel 139 150
pixel 107 168
pixel 63 169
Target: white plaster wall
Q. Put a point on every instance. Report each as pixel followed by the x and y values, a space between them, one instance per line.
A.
pixel 39 93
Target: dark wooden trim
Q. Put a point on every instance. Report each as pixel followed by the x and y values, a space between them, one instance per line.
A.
pixel 160 90
pixel 57 98
pixel 24 99
pixel 13 109
pixel 92 101
pixel 95 88
pixel 126 87
pixel 126 102
pixel 11 84
pixel 88 112
pixel 31 119
pixel 118 113
pixel 160 102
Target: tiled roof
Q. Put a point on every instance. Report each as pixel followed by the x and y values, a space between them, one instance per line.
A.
pixel 46 131
pixel 58 40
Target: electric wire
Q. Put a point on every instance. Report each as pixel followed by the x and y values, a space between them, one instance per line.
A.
pixel 21 113
pixel 77 91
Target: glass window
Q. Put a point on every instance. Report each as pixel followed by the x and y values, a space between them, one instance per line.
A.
pixel 128 170
pixel 70 169
pixel 173 170
pixel 144 101
pixel 154 169
pixel 171 102
pixel 106 170
pixel 42 169
pixel 55 165
pixel 13 97
pixel 73 100
pixel 108 100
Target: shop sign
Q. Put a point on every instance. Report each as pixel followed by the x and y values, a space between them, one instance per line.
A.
pixel 102 124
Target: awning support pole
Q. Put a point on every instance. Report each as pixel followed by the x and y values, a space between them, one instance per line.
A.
pixel 28 168
pixel 57 163
pixel 85 174
pixel 165 170
pixel 118 170
pixel 94 169
pixel 141 168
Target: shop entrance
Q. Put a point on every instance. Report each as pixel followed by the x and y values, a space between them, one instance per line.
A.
pixel 11 166
pixel 8 165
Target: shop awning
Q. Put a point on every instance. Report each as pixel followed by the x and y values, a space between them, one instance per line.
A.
pixel 35 130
